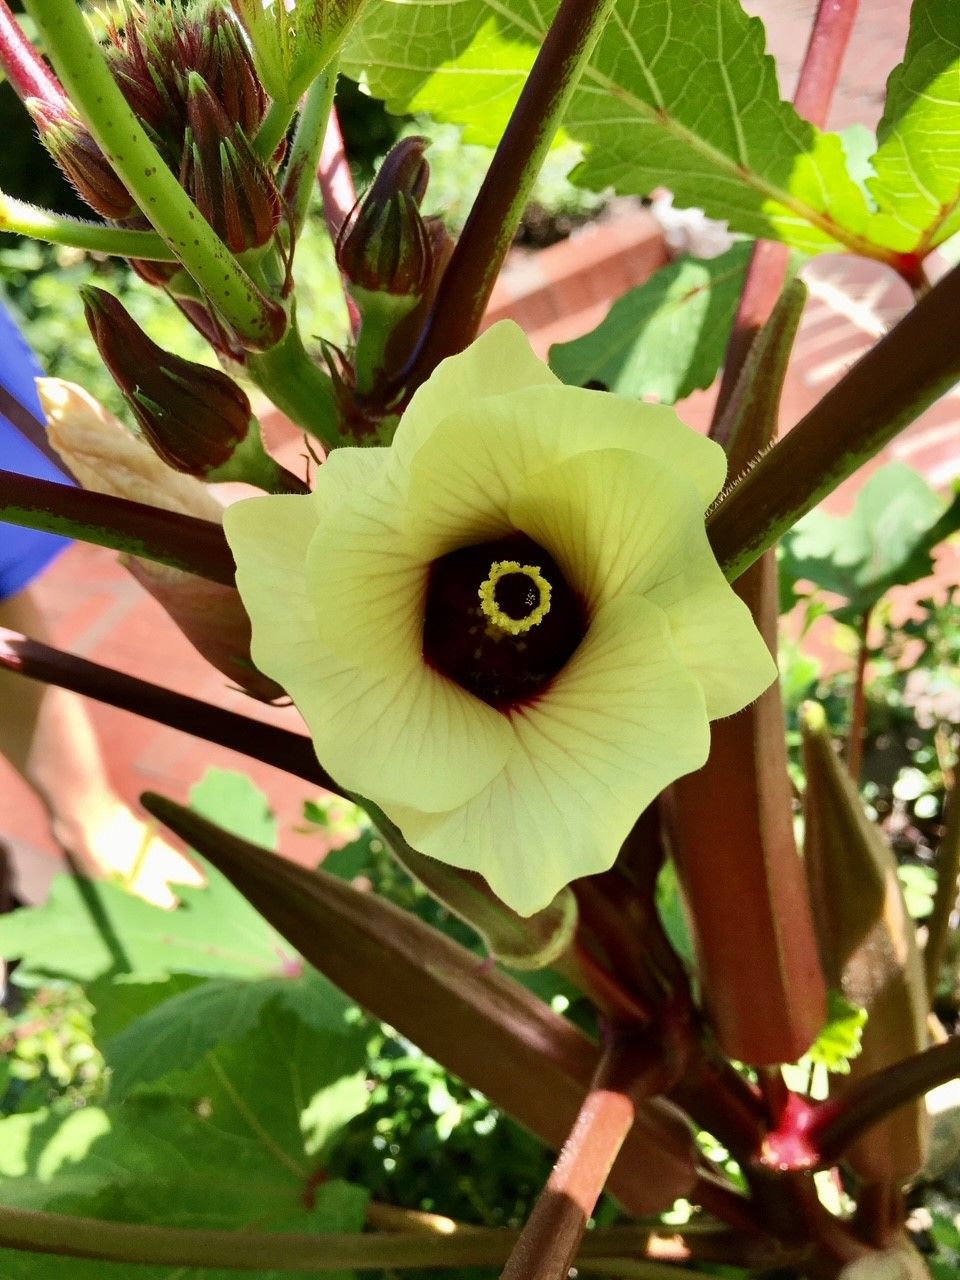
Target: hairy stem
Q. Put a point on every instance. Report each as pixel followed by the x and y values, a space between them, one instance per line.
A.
pixel 275 125
pixel 945 898
pixel 300 171
pixel 422 1246
pixel 40 224
pixel 81 65
pixel 888 388
pixel 769 261
pixel 292 752
pixel 465 289
pixel 297 386
pixel 183 542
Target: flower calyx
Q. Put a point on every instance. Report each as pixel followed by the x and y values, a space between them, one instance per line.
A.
pixel 383 246
pixel 154 49
pixel 78 155
pixel 226 179
pixel 196 419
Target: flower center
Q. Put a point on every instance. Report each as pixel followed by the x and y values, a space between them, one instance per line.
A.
pixel 515 597
pixel 501 619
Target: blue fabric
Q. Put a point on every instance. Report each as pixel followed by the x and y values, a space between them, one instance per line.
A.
pixel 24 553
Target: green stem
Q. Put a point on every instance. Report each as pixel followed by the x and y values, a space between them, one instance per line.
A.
pixel 75 1237
pixel 297 386
pixel 300 171
pixel 40 224
pixel 465 289
pixel 80 63
pixel 916 363
pixel 274 127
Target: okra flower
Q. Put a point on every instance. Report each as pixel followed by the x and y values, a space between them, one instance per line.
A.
pixel 507 629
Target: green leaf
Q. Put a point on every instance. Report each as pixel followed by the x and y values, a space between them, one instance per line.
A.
pixel 290 1086
pixel 233 1140
pixel 917 162
pixel 840 1040
pixel 666 338
pixel 178 1034
pixel 676 95
pixel 89 928
pixel 919 885
pixel 885 541
pixel 117 1003
pixel 237 804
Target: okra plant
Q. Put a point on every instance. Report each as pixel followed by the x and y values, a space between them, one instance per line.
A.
pixel 528 617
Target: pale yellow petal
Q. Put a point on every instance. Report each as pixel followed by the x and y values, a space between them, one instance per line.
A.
pixel 500 360
pixel 718 641
pixel 622 721
pixel 369 588
pixel 347 473
pixel 409 735
pixel 269 539
pixel 384 723
pixel 465 475
pixel 615 522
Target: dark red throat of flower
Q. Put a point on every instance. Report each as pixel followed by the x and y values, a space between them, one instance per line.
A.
pixel 501 620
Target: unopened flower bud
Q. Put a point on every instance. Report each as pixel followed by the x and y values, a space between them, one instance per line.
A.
pixel 384 245
pixel 72 146
pixel 194 417
pixel 155 48
pixel 227 180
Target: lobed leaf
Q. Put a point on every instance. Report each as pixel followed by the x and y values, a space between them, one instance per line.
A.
pixel 917 161
pixel 676 95
pixel 885 541
pixel 476 1022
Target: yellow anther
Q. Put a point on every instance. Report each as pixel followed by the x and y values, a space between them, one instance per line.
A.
pixel 539 603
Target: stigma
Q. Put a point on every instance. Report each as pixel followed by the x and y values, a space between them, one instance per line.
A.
pixel 515 597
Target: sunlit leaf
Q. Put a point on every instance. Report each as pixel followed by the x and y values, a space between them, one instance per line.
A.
pixel 667 337
pixel 676 95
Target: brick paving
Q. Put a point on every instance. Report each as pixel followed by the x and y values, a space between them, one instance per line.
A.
pixel 99 612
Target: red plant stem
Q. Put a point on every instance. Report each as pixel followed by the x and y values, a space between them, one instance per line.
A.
pixel 333 174
pixel 858 707
pixel 292 752
pixel 880 1213
pixel 768 263
pixel 466 285
pixel 826 47
pixel 721 1101
pixel 184 542
pixel 338 191
pixel 26 70
pixel 725 1203
pixel 889 387
pixel 628 1069
pixel 839 1121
